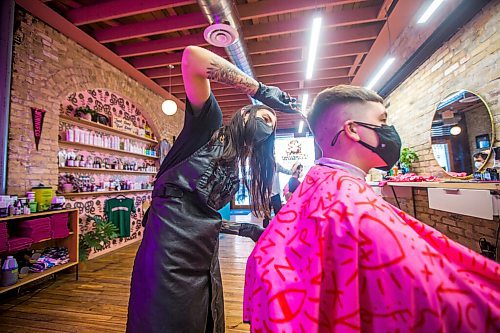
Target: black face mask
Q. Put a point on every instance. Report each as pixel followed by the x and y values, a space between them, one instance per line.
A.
pixel 389 146
pixel 262 131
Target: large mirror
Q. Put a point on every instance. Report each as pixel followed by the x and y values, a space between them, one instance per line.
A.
pixel 462 134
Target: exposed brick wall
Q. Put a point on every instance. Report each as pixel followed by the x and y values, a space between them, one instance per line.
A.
pixel 469 60
pixel 465 230
pixel 47 67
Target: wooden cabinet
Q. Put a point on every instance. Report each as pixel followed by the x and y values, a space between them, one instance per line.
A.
pixel 70 242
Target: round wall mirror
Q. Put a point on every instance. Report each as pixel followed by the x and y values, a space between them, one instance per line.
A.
pixel 462 134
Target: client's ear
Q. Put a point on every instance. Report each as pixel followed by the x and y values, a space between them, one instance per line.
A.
pixel 351 130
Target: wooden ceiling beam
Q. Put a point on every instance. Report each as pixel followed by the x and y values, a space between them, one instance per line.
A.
pixel 162 60
pixel 299 67
pixel 102 11
pixel 269 80
pixel 233 92
pixel 295 77
pixel 329 37
pixel 231 98
pixel 155 73
pixel 234 104
pixel 335 19
pixel 198 20
pixel 355 65
pixel 298 41
pixel 275 7
pixel 55 20
pixel 159 45
pixel 382 13
pixel 149 28
pixel 292 67
pixel 400 19
pixel 340 50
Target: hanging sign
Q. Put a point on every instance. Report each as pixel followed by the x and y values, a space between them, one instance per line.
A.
pixel 37 116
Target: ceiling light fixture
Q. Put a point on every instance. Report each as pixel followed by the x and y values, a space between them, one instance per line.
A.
pixel 429 11
pixel 169 107
pixel 381 72
pixel 305 98
pixel 455 130
pixel 313 47
pixel 301 126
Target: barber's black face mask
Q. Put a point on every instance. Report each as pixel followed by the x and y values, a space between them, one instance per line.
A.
pixel 389 144
pixel 262 130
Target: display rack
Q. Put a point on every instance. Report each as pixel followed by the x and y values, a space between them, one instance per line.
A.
pixel 70 242
pixel 94 170
pixel 110 130
pixel 69 144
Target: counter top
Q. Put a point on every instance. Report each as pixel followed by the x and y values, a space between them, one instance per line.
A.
pixel 446 184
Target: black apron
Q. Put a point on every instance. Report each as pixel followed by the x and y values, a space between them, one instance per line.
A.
pixel 176 278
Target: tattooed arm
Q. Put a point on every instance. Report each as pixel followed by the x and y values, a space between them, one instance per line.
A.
pixel 200 66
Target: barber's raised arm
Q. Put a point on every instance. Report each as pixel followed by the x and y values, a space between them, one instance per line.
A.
pixel 200 66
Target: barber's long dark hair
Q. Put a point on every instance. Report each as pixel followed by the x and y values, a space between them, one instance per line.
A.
pixel 240 148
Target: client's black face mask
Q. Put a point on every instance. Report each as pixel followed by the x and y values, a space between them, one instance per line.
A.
pixel 389 144
pixel 262 131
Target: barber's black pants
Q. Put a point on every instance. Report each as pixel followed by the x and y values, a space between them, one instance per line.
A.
pixel 274 204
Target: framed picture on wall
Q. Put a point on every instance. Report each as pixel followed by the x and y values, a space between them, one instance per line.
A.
pixel 482 141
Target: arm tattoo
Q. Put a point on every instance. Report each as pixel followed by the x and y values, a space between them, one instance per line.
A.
pixel 229 74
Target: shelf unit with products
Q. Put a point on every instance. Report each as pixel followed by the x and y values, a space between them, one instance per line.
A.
pixel 103 128
pixel 89 150
pixel 102 170
pixel 68 240
pixel 68 144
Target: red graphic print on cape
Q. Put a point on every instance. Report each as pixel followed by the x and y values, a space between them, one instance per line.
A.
pixel 338 258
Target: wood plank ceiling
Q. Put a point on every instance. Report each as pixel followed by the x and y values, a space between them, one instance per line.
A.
pixel 151 35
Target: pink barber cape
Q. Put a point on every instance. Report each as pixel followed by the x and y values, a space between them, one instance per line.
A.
pixel 338 258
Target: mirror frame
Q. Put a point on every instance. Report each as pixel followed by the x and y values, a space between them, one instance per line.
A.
pixel 493 137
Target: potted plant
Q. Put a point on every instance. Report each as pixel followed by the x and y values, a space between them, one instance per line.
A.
pixel 85 113
pixel 408 156
pixel 100 233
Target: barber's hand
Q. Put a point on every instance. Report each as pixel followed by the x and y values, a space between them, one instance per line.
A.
pixel 251 230
pixel 277 99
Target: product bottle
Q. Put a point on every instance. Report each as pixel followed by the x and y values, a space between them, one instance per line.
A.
pixel 70 134
pixel 76 133
pixel 82 136
pixel 19 209
pixel 10 272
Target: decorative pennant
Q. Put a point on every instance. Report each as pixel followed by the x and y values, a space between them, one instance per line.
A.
pixel 37 116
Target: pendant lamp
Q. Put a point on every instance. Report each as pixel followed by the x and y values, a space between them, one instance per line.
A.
pixel 169 107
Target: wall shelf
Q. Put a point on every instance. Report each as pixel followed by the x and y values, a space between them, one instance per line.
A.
pixel 70 242
pixel 98 193
pixel 68 144
pixel 77 169
pixel 40 214
pixel 111 130
pixel 35 276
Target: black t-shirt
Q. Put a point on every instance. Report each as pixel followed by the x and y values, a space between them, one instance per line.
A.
pixel 197 131
pixel 293 183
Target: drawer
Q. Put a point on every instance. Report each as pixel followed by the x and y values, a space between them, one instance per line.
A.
pixel 477 203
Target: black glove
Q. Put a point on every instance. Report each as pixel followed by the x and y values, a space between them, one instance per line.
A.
pixel 277 99
pixel 250 230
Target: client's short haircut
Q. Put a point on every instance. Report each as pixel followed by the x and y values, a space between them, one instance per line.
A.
pixel 341 94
